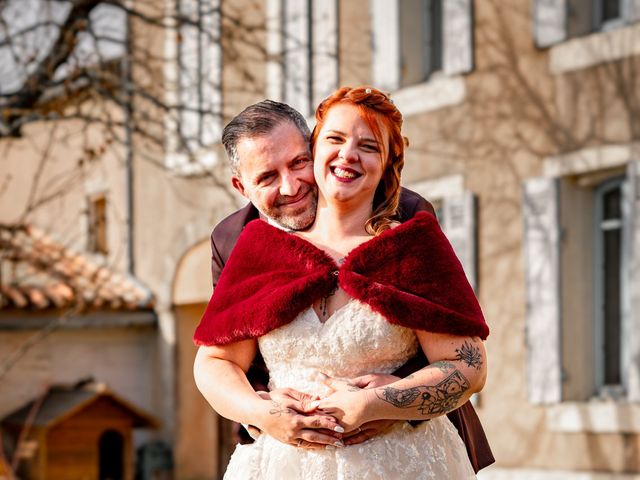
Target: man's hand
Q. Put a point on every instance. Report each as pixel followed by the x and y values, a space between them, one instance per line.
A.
pixel 367 430
pixel 294 421
pixel 373 380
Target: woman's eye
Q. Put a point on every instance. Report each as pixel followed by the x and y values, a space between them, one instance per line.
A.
pixel 371 148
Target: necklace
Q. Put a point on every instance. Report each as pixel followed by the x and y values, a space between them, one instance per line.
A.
pixel 324 301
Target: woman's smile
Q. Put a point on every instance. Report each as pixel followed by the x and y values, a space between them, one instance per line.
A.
pixel 344 174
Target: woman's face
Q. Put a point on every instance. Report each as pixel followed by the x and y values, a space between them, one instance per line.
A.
pixel 348 159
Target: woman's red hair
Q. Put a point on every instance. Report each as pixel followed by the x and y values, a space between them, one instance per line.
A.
pixel 376 109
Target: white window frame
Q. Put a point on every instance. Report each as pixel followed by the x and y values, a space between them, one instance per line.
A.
pixel 202 90
pixel 440 90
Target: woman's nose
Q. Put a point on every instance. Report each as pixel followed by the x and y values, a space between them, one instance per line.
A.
pixel 348 152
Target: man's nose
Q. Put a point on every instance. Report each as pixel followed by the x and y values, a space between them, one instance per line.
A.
pixel 289 185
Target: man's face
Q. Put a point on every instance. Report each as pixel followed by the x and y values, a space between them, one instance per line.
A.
pixel 275 173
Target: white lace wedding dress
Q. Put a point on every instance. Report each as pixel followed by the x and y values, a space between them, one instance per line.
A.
pixel 353 341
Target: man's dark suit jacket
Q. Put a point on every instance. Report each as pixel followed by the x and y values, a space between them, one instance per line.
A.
pixel 465 419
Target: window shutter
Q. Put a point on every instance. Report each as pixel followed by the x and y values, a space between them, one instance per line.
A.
pixel 211 73
pixel 274 49
pixel 385 33
pixel 325 49
pixel 457 36
pixel 296 55
pixel 634 10
pixel 459 225
pixel 550 22
pixel 189 76
pixel 542 275
pixel 631 317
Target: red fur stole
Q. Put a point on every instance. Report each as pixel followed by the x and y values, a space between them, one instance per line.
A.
pixel 408 274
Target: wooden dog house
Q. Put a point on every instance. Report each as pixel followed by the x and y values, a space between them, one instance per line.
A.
pixel 81 432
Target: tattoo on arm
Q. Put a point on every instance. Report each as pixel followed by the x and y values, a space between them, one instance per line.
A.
pixel 429 399
pixel 278 410
pixel 469 354
pixel 444 366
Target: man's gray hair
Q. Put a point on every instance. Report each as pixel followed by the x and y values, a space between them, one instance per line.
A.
pixel 259 119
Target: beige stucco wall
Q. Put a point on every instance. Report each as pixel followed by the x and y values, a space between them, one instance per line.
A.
pixel 51 172
pixel 516 113
pixel 197 426
pixel 122 358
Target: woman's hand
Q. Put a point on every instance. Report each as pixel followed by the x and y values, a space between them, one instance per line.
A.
pixel 347 403
pixel 373 428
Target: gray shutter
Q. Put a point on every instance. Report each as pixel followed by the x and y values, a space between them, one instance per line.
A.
pixel 634 10
pixel 459 225
pixel 325 49
pixel 632 285
pixel 550 22
pixel 385 35
pixel 457 36
pixel 542 275
pixel 274 49
pixel 296 55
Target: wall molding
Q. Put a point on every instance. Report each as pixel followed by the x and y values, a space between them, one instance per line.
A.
pixel 590 159
pixel 594 417
pixel 429 96
pixel 591 50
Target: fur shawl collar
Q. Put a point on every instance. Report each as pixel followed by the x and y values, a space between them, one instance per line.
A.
pixel 408 274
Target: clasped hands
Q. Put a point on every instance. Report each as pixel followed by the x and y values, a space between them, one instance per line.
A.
pixel 307 421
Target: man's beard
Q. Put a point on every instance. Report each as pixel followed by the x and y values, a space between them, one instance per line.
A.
pixel 296 220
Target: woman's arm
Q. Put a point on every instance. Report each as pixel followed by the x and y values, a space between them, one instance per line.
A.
pixel 458 370
pixel 219 372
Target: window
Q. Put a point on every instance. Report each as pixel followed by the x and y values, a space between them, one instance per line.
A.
pixel 607 14
pixel 196 80
pixel 420 40
pixel 582 251
pixel 608 276
pixel 415 39
pixel 558 20
pixel 97 233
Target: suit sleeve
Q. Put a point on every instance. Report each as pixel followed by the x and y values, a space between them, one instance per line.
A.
pixel 217 264
pixel 412 203
pixel 423 205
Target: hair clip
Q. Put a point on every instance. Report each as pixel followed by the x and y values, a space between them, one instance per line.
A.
pixel 367 90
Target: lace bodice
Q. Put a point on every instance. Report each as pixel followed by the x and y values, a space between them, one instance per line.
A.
pixel 354 341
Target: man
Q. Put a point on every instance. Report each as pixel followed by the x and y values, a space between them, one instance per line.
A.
pixel 269 152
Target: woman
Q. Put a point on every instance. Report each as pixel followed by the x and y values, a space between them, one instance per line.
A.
pixel 356 294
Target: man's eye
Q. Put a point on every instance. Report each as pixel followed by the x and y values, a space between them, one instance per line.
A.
pixel 266 179
pixel 301 162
